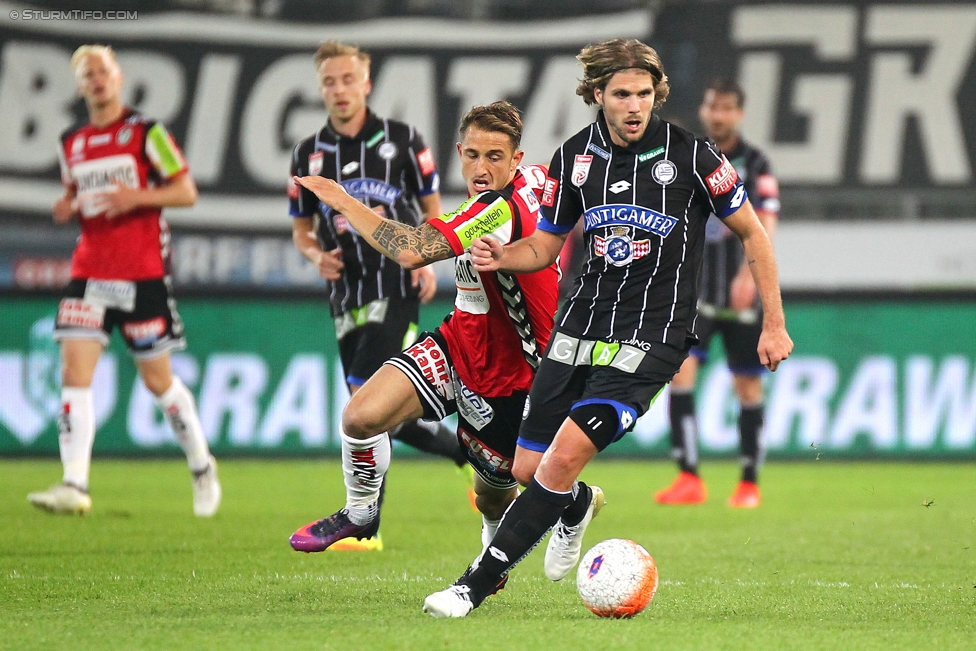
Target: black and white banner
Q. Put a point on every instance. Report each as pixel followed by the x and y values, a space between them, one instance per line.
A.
pixel 239 93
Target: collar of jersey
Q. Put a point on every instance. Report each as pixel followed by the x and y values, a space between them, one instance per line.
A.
pixel 653 126
pixel 372 123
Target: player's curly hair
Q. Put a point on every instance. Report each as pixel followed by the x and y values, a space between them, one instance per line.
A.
pixel 499 116
pixel 332 49
pixel 603 60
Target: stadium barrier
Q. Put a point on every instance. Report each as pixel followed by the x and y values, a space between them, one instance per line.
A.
pixel 884 379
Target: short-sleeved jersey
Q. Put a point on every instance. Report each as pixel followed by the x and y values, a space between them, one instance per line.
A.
pixel 386 166
pixel 136 152
pixel 723 250
pixel 644 209
pixel 501 322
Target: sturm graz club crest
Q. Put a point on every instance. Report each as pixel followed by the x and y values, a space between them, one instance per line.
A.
pixel 619 248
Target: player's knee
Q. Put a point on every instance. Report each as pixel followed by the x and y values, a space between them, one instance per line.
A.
pixel 359 419
pixel 523 471
pixel 493 502
pixel 603 422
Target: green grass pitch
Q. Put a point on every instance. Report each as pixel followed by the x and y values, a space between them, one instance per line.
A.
pixel 839 556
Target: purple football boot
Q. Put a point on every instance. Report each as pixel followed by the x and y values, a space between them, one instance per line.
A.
pixel 321 534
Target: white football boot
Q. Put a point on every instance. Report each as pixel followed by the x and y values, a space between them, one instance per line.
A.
pixel 452 602
pixel 563 551
pixel 62 498
pixel 206 490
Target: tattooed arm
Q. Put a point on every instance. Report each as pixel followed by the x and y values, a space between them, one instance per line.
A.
pixel 409 246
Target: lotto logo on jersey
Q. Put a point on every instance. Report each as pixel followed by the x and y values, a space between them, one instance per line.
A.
pixel 549 192
pixel 292 188
pixel 426 161
pixel 723 179
pixel 581 169
pixel 145 332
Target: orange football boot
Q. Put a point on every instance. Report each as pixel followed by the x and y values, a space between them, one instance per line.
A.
pixel 746 496
pixel 686 489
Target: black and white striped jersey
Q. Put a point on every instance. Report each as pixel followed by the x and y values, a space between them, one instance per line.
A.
pixel 386 166
pixel 644 209
pixel 723 251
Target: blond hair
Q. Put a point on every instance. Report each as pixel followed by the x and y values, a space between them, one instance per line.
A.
pixel 91 50
pixel 603 60
pixel 332 49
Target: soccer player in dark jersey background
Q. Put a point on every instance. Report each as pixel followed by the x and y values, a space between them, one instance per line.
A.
pixel 119 171
pixel 645 189
pixel 386 165
pixel 480 361
pixel 727 305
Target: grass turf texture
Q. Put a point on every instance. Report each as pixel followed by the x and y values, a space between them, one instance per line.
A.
pixel 839 556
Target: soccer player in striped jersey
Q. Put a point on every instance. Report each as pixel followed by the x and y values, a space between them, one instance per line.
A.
pixel 644 189
pixel 728 306
pixel 479 363
pixel 119 171
pixel 374 302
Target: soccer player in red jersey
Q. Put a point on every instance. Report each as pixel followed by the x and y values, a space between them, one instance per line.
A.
pixel 479 363
pixel 119 171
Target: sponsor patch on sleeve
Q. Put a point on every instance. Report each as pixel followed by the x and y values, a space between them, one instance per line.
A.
pixel 549 192
pixel 767 186
pixel 723 179
pixel 426 161
pixel 292 188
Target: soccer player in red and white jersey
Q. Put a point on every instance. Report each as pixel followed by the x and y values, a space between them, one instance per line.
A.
pixel 119 171
pixel 481 360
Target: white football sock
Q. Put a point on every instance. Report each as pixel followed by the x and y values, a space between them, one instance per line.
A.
pixel 364 464
pixel 76 434
pixel 181 411
pixel 488 529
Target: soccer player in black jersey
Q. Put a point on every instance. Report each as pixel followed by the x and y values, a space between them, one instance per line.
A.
pixel 729 305
pixel 645 189
pixel 386 165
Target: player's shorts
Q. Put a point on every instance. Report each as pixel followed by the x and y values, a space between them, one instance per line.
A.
pixel 487 427
pixel 577 371
pixel 371 334
pixel 741 342
pixel 143 310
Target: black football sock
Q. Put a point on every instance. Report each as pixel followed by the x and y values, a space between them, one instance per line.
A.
pixel 525 524
pixel 684 431
pixel 576 511
pixel 432 438
pixel 750 429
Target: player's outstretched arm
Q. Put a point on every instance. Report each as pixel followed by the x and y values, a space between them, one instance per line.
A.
pixel 775 344
pixel 537 251
pixel 409 246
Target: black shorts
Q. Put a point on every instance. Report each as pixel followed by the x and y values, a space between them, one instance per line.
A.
pixel 576 371
pixel 487 427
pixel 741 342
pixel 372 334
pixel 144 311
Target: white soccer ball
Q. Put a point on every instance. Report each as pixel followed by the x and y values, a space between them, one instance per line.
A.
pixel 616 578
